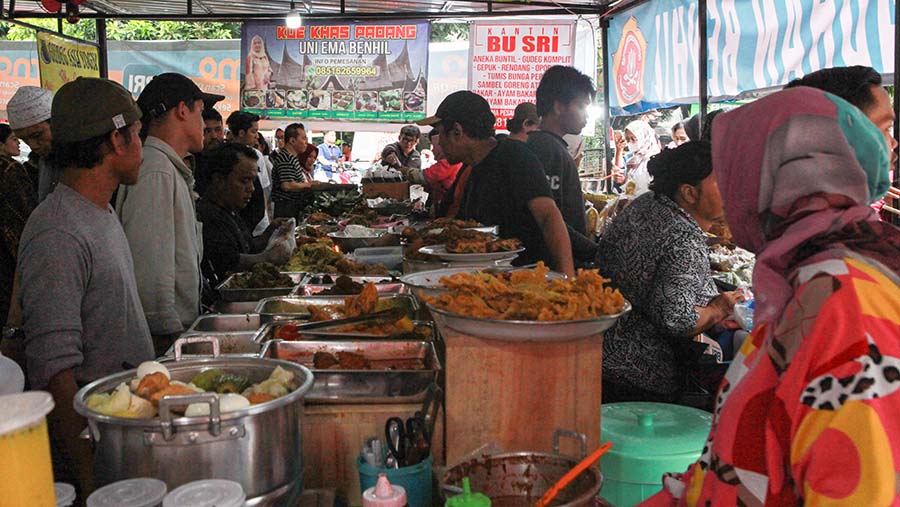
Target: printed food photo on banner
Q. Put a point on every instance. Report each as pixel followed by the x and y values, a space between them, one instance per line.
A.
pixel 329 70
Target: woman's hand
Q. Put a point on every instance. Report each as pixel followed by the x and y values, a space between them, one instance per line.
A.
pixel 725 302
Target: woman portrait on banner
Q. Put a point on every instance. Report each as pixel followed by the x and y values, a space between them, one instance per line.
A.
pixel 259 71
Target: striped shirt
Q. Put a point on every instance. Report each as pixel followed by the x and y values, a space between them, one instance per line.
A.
pixel 287 169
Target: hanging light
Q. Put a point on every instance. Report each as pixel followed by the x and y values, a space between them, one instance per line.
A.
pixel 293 19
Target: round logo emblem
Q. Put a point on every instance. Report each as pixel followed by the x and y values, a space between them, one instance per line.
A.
pixel 628 64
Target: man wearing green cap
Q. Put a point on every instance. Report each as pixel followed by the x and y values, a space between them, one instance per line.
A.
pixel 80 307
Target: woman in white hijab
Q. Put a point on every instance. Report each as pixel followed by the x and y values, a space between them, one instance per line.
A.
pixel 642 144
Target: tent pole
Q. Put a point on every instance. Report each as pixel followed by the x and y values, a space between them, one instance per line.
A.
pixel 702 66
pixel 604 77
pixel 895 169
pixel 103 48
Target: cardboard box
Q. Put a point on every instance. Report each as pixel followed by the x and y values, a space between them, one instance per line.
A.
pixel 397 190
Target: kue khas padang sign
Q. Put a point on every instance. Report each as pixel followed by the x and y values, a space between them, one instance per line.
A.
pixel 333 70
pixel 509 58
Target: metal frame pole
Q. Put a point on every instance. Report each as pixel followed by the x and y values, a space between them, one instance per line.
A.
pixel 103 48
pixel 604 76
pixel 702 64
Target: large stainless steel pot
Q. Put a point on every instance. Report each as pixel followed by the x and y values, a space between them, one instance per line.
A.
pixel 519 479
pixel 259 447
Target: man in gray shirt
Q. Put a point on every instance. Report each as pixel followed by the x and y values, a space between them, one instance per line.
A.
pixel 80 307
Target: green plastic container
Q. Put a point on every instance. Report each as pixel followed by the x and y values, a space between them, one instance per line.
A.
pixel 649 439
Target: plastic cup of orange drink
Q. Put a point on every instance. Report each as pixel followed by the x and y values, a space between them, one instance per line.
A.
pixel 25 466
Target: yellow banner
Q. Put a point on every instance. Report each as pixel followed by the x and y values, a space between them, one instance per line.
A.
pixel 61 60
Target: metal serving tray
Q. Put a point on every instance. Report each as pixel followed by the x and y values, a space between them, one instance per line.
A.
pixel 294 307
pixel 229 294
pixel 230 344
pixel 425 331
pixel 400 371
pixel 234 306
pixel 225 323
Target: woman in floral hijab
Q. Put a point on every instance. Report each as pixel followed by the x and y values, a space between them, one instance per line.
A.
pixel 642 144
pixel 807 413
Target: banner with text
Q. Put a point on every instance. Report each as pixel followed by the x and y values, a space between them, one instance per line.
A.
pixel 345 71
pixel 509 58
pixel 61 60
pixel 753 45
pixel 653 51
pixel 762 44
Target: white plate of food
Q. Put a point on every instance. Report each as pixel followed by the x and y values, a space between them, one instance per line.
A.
pixel 441 252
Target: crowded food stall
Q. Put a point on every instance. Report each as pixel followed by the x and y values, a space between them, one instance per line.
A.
pixel 527 338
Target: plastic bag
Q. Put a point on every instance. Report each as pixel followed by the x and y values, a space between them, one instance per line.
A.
pixel 282 242
pixel 743 314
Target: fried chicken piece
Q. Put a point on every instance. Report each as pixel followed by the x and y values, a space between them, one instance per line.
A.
pixel 362 304
pixel 463 246
pixel 504 245
pixel 152 384
pixel 324 360
pixel 318 314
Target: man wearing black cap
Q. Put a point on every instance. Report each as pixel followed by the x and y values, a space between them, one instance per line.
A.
pixel 563 97
pixel 158 213
pixel 506 186
pixel 524 121
pixel 80 306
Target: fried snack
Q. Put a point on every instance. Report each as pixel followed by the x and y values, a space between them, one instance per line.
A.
pixel 503 245
pixel 152 384
pixel 171 390
pixel 528 295
pixel 466 246
pixel 354 306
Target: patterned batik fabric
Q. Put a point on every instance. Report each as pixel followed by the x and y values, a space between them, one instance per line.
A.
pixel 809 412
pixel 18 198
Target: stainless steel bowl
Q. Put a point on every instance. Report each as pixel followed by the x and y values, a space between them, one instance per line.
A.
pixel 349 243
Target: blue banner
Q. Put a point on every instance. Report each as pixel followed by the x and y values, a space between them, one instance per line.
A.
pixel 653 51
pixel 753 45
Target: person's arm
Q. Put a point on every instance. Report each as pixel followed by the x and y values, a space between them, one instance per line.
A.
pixel 66 425
pixel 289 179
pixel 550 220
pixel 148 218
pixel 676 285
pixel 54 270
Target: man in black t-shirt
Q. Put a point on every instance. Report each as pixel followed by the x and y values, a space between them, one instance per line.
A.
pixel 506 186
pixel 228 245
pixel 563 97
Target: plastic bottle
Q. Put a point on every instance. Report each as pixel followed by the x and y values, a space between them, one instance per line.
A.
pixel 467 498
pixel 384 494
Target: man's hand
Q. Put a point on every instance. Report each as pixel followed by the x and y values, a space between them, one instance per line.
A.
pixel 725 302
pixel 618 176
pixel 392 160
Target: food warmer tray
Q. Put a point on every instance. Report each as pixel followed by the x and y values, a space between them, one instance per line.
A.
pixel 225 323
pixel 415 367
pixel 294 307
pixel 267 332
pixel 229 294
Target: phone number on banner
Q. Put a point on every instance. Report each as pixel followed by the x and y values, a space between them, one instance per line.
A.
pixel 346 71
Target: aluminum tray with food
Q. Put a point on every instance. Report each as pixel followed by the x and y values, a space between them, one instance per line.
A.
pixel 293 307
pixel 231 290
pixel 527 305
pixel 441 252
pixel 239 343
pixel 225 323
pixel 362 371
pixel 343 285
pixel 299 330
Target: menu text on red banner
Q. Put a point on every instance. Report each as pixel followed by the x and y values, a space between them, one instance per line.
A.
pixel 508 60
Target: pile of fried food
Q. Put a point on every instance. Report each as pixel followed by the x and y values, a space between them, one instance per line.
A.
pixel 529 295
pixel 263 276
pixel 456 238
pixel 320 257
pixel 140 398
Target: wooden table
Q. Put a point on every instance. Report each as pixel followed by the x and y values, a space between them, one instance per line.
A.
pixel 518 393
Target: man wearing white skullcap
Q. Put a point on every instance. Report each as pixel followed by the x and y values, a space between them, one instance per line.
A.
pixel 29 117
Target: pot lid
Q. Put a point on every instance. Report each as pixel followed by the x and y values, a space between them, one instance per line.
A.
pixel 65 494
pixel 654 429
pixel 208 493
pixel 23 410
pixel 142 492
